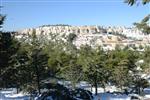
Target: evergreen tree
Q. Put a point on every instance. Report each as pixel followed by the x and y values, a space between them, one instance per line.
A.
pixel 20 67
pixel 93 64
pixel 8 47
pixel 144 25
pixel 146 57
pixel 38 60
pixel 39 65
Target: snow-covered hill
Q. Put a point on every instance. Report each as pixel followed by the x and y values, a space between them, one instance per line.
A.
pixel 107 37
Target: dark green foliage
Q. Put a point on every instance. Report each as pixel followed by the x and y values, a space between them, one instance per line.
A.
pixel 8 47
pixel 39 64
pixel 2 18
pixel 140 84
pixel 57 92
pixel 132 2
pixel 82 94
pixel 144 25
pixel 146 58
pixel 93 64
pixel 71 37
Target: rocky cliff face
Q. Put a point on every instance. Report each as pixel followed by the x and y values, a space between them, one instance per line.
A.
pixel 45 30
pixel 91 35
pixel 66 29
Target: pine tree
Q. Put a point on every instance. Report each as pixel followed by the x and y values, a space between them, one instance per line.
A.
pixel 38 61
pixel 144 24
pixel 8 47
pixel 93 65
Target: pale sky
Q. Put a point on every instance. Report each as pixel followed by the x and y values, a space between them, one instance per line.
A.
pixel 33 13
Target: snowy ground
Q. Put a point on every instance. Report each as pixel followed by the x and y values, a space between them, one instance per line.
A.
pixel 100 96
pixel 11 95
pixel 108 96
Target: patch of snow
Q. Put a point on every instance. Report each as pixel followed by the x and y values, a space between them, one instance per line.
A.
pixel 109 96
pixel 10 94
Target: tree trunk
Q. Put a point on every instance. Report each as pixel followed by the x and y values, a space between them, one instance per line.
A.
pixel 104 89
pixel 17 89
pixel 103 84
pixel 121 87
pixel 96 89
pixel 37 79
pixel 91 88
pixel 38 82
pixel 95 85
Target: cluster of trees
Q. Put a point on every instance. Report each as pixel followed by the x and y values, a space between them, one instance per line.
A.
pixel 26 64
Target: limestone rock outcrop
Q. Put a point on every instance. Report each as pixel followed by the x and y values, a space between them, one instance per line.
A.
pixel 108 37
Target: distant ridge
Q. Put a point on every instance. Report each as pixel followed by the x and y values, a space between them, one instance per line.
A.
pixel 94 35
